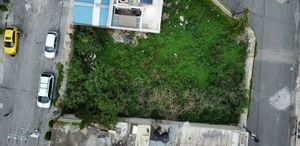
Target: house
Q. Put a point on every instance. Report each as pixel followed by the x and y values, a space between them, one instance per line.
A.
pixel 132 15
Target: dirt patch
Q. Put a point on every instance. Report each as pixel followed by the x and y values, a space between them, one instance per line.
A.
pixel 128 37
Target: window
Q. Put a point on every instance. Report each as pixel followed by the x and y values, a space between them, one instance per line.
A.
pixel 8 44
pixel 13 37
pixel 43 99
pixel 50 88
pixel 55 42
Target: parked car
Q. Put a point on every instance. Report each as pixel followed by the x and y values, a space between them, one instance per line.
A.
pixel 11 40
pixel 51 44
pixel 45 91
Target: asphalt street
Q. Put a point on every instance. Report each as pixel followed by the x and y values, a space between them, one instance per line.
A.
pixel 275 69
pixel 18 90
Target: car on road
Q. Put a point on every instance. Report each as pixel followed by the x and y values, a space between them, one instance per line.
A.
pixel 45 91
pixel 51 44
pixel 11 36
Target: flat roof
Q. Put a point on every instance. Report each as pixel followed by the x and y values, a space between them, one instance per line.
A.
pixel 150 132
pixel 91 12
pixel 102 13
pixel 143 135
pixel 192 135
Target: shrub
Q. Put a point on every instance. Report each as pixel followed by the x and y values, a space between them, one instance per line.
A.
pixel 3 8
pixel 51 123
pixel 47 136
pixel 2 31
pixel 60 73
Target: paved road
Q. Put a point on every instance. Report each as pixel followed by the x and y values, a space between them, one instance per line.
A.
pixel 21 73
pixel 275 68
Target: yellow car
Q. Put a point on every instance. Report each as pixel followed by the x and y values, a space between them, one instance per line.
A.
pixel 11 40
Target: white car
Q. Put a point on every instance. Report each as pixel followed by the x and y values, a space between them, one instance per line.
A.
pixel 51 44
pixel 45 92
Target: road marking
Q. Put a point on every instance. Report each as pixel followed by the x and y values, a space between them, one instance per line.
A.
pixel 1 105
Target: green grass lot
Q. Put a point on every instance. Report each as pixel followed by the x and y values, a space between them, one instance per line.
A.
pixel 192 72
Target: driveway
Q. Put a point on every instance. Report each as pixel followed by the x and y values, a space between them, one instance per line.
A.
pixel 275 69
pixel 21 73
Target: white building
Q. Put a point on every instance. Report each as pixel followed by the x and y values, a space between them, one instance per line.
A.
pixel 133 15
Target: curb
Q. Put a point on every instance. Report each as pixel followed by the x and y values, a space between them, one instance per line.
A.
pixel 223 7
pixel 248 69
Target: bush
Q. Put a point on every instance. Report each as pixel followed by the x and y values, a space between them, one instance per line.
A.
pixel 47 136
pixel 2 31
pixel 3 8
pixel 51 123
pixel 238 26
pixel 59 67
pixel 6 1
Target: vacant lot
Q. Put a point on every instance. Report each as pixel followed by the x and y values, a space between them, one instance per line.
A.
pixel 193 70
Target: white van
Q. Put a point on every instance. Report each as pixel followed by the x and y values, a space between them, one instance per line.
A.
pixel 45 92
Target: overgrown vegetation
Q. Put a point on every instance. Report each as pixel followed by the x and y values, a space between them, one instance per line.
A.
pixel 238 27
pixel 3 8
pixel 47 136
pixel 51 123
pixel 2 31
pixel 192 71
pixel 6 1
pixel 59 67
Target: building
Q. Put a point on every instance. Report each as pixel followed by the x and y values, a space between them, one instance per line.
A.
pixel 148 132
pixel 133 15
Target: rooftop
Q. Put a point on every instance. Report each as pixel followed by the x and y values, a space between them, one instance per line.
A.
pixel 133 15
pixel 149 132
pixel 172 133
